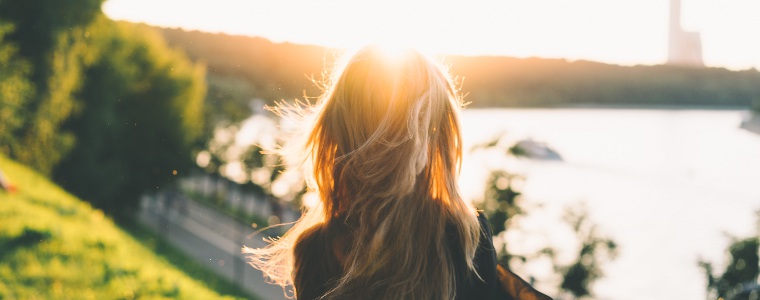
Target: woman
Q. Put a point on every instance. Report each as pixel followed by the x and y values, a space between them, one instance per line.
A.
pixel 383 149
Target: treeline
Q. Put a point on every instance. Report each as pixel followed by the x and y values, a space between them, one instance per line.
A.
pixel 282 71
pixel 273 71
pixel 502 81
pixel 105 108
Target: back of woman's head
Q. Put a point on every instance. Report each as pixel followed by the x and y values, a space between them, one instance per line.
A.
pixel 387 119
pixel 383 150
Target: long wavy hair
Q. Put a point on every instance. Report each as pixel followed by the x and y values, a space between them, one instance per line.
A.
pixel 382 148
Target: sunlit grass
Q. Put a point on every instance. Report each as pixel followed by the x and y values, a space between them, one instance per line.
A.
pixel 54 246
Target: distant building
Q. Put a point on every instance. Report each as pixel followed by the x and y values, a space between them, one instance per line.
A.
pixel 685 48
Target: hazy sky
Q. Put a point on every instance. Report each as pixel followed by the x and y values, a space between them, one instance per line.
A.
pixel 619 31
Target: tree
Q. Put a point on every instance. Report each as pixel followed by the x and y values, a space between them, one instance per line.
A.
pixel 141 114
pixel 502 204
pixel 255 162
pixel 743 268
pixel 53 36
pixel 15 92
pixel 594 249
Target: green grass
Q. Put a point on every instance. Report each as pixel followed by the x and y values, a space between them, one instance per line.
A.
pixel 55 246
pixel 176 257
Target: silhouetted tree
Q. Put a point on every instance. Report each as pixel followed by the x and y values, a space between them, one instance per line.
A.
pixel 594 251
pixel 277 70
pixel 501 206
pixel 274 71
pixel 743 268
pixel 502 202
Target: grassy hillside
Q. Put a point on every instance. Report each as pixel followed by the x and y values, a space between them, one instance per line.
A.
pixel 55 246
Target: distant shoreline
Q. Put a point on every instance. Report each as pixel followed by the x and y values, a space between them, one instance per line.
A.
pixel 622 106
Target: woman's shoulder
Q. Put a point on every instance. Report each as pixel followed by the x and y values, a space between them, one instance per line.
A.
pixel 483 283
pixel 485 228
pixel 315 263
pixel 498 280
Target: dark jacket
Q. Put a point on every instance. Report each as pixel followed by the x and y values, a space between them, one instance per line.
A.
pixel 495 282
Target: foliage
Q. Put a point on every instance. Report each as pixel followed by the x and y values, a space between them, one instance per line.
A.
pixel 743 268
pixel 141 114
pixel 503 81
pixel 269 165
pixel 54 246
pixel 274 71
pixel 53 36
pixel 229 100
pixel 245 153
pixel 107 109
pixel 15 92
pixel 594 249
pixel 502 204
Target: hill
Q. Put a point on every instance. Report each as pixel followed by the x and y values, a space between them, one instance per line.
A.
pixel 55 246
pixel 283 71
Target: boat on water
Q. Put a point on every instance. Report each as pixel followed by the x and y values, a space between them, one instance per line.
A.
pixel 532 149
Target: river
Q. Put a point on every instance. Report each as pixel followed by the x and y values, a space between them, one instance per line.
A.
pixel 668 185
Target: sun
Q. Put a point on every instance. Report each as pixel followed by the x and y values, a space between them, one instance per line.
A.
pixel 393 51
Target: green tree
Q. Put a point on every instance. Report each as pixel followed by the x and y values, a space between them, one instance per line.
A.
pixel 594 249
pixel 743 268
pixel 502 204
pixel 53 36
pixel 142 112
pixel 15 92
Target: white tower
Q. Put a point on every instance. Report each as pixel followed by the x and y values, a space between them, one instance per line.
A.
pixel 684 48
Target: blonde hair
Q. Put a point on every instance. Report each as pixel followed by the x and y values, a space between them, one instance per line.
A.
pixel 383 151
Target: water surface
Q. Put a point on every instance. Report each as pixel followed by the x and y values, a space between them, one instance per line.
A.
pixel 666 184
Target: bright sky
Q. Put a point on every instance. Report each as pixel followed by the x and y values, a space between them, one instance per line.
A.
pixel 622 31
